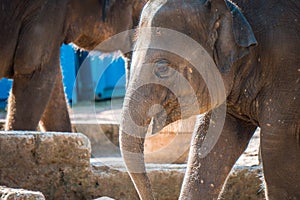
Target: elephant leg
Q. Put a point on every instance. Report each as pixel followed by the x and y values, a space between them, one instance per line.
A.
pixel 56 116
pixel 280 149
pixel 205 176
pixel 29 96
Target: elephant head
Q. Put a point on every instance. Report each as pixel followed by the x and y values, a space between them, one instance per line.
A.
pixel 172 78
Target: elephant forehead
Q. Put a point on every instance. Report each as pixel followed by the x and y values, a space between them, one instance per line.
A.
pixel 188 17
pixel 165 15
pixel 150 10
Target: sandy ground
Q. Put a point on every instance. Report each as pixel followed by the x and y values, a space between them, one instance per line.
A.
pixel 101 112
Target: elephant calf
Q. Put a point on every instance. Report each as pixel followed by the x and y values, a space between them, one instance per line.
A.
pixel 30 38
pixel 238 62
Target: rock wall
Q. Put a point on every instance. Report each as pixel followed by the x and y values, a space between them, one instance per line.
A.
pixel 56 164
pixel 19 194
pixel 59 166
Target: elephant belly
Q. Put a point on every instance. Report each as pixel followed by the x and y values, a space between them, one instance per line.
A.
pixel 10 24
pixel 7 49
pixel 6 64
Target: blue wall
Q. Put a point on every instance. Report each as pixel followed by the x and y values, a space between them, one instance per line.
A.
pixel 5 86
pixel 68 63
pixel 108 75
pixel 104 77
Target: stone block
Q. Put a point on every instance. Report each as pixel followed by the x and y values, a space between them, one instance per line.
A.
pixel 166 179
pixel 104 137
pixel 19 194
pixel 170 145
pixel 59 166
pixel 244 183
pixel 115 182
pixel 104 198
pixel 56 164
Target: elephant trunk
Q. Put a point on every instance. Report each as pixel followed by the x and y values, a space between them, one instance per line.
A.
pixel 132 152
pixel 142 105
pixel 133 129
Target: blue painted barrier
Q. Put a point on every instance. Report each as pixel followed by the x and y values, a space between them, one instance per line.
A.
pixel 104 77
pixel 5 86
pixel 68 62
pixel 108 75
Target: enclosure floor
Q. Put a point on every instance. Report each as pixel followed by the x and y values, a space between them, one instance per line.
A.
pixel 109 112
pixel 101 112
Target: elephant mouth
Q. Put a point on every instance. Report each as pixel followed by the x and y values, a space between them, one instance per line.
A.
pixel 163 118
pixel 156 125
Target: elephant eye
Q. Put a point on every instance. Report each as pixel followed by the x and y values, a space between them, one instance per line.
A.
pixel 163 69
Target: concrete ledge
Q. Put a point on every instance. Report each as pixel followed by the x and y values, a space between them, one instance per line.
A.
pixel 166 179
pixel 59 166
pixel 104 198
pixel 165 147
pixel 104 137
pixel 19 194
pixel 244 183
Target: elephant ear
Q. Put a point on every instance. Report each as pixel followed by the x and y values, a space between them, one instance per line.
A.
pixel 242 30
pixel 232 38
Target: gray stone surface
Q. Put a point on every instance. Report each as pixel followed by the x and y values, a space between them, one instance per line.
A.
pixel 244 183
pixel 104 198
pixel 166 179
pixel 59 166
pixel 19 194
pixel 104 137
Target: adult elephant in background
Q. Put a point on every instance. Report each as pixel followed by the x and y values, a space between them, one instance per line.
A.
pixel 30 38
pixel 255 48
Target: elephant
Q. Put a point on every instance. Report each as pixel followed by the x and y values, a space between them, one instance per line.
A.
pixel 30 38
pixel 249 77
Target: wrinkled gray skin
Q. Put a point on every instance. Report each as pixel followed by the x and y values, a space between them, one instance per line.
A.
pixel 257 54
pixel 31 34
